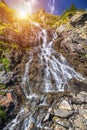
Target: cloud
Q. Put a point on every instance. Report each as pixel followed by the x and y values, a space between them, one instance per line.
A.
pixel 51 6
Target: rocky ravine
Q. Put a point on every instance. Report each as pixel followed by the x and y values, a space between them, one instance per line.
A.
pixel 64 110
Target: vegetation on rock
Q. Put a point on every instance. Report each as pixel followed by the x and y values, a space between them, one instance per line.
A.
pixel 2 114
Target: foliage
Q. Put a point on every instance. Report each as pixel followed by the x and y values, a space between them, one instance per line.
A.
pixel 67 15
pixel 2 86
pixel 6 63
pixel 2 114
pixel 2 93
pixel 14 45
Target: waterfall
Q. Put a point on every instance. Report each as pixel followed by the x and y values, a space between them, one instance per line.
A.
pixel 52 75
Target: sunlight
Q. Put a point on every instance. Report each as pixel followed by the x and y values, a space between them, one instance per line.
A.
pixel 22 14
pixel 26 8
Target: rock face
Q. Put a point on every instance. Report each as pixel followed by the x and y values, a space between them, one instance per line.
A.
pixel 79 19
pixel 72 42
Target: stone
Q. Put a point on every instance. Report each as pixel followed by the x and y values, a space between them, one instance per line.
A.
pixel 4 79
pixel 62 122
pixel 5 102
pixel 65 105
pixel 57 127
pixel 80 97
pixel 46 117
pixel 31 126
pixel 1 67
pixel 63 113
pixel 79 123
pixel 26 109
pixel 49 110
pixel 83 113
pixel 9 97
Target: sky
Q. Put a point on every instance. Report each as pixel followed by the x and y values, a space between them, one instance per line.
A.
pixel 52 6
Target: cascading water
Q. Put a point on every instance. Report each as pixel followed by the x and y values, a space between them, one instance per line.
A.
pixel 52 74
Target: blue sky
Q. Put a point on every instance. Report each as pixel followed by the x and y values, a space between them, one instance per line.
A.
pixel 60 5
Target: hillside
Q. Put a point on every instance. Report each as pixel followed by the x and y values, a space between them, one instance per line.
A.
pixel 60 42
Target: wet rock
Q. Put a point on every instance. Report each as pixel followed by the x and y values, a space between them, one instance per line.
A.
pixel 77 86
pixel 62 122
pixel 31 126
pixel 63 113
pixel 3 78
pixel 6 78
pixel 79 123
pixel 26 109
pixel 65 105
pixel 46 117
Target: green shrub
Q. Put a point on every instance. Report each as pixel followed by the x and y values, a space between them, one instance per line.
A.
pixel 66 15
pixel 2 86
pixel 14 45
pixel 2 114
pixel 6 63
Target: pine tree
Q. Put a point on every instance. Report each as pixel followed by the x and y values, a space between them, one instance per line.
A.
pixel 73 7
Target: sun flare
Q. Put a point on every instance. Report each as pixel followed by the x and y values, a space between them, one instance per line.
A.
pixel 22 14
pixel 26 8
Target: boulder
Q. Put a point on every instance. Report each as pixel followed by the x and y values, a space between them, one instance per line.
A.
pixel 79 123
pixel 63 113
pixel 65 105
pixel 62 122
